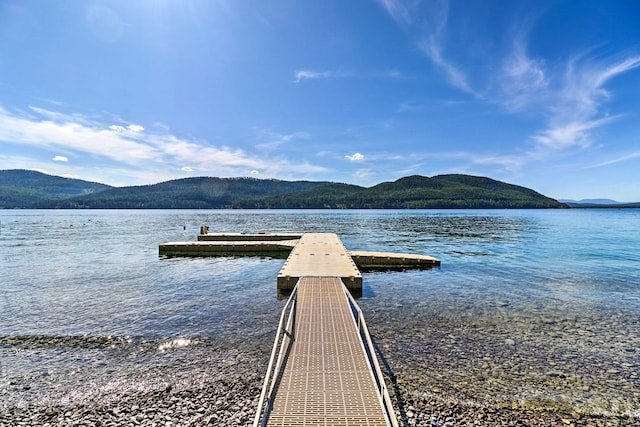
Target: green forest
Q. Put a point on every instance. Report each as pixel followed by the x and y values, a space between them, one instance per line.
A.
pixel 34 190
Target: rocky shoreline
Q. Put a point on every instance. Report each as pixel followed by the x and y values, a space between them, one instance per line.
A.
pixel 229 399
pixel 482 376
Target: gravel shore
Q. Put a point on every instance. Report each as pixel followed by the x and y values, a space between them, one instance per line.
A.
pixel 229 397
pixel 481 376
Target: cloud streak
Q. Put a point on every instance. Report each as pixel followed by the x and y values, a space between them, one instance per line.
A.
pixel 275 140
pixel 626 158
pixel 301 75
pixel 131 147
pixel 568 98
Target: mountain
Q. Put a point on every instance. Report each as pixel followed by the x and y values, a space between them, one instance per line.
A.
pixel 28 189
pixel 413 192
pixel 23 188
pixel 591 201
pixel 598 203
pixel 186 193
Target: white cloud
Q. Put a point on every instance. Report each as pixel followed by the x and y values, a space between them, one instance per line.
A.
pixel 577 108
pixel 363 173
pixel 567 97
pixel 255 172
pixel 397 9
pixel 60 159
pixel 274 139
pixel 522 80
pixel 564 135
pixel 129 128
pixel 301 75
pixel 456 76
pixel 355 157
pixel 145 157
pixel 135 128
pixel 505 163
pixel 625 158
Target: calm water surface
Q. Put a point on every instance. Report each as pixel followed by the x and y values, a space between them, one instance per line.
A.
pixel 529 307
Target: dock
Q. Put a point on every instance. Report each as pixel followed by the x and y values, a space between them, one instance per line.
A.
pixel 323 369
pixel 302 252
pixel 327 379
pixel 321 255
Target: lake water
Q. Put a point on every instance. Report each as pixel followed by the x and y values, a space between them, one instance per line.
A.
pixel 529 307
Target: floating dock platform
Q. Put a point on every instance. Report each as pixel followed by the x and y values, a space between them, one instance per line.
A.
pixel 305 253
pixel 319 255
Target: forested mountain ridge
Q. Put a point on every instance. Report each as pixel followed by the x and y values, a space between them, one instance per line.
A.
pixel 186 193
pixel 21 188
pixel 414 192
pixel 28 189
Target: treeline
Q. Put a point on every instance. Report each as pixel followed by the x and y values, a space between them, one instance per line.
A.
pixel 187 193
pixel 24 188
pixel 414 192
pixel 28 189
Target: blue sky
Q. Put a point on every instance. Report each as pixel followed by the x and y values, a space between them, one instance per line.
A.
pixel 544 94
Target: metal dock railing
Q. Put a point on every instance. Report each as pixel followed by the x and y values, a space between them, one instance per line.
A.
pixel 323 370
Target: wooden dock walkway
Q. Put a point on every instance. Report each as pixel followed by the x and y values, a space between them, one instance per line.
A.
pixel 327 380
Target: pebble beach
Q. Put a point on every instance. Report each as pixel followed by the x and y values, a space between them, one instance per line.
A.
pixel 208 386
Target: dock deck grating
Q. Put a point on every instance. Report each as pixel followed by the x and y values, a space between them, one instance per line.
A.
pixel 327 380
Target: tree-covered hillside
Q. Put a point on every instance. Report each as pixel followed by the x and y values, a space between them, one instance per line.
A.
pixel 28 189
pixel 414 192
pixel 23 188
pixel 187 193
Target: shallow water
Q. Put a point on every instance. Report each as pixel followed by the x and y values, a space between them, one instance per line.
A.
pixel 530 308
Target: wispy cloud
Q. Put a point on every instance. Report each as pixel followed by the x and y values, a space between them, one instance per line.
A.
pixel 301 75
pixel 273 140
pixel 355 157
pixel 625 158
pixel 131 148
pixel 567 97
pixel 398 10
pixel 512 164
pixel 577 106
pixel 455 75
pixel 363 173
pixel 60 159
pixel 522 80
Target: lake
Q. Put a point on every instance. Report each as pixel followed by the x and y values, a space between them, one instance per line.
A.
pixel 536 308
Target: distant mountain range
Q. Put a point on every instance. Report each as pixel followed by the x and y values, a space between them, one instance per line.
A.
pixel 35 190
pixel 598 203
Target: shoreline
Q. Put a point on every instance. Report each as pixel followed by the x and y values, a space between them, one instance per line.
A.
pixel 231 401
pixel 227 394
